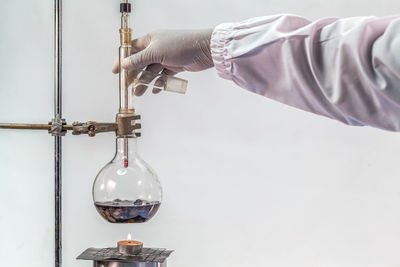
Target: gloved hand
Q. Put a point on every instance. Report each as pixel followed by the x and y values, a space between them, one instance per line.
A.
pixel 169 52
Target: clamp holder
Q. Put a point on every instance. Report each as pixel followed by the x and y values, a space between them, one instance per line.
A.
pixel 57 126
pixel 125 124
pixel 91 128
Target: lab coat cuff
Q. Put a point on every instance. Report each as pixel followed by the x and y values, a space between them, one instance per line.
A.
pixel 219 50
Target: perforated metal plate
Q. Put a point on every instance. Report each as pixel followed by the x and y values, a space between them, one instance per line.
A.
pixel 112 254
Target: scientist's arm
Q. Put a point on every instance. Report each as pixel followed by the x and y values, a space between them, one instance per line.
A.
pixel 346 69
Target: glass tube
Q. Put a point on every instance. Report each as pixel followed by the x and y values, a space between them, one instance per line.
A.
pixel 125 88
pixel 125 49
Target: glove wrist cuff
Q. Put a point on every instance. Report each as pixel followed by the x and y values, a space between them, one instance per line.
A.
pixel 219 50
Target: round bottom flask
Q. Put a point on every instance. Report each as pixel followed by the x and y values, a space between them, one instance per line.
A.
pixel 127 190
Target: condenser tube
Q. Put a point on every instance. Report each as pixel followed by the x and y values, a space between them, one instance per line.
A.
pixel 125 88
pixel 126 98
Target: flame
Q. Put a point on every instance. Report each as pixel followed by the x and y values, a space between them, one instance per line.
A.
pixel 129 238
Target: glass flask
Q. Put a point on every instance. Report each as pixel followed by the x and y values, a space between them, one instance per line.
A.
pixel 127 190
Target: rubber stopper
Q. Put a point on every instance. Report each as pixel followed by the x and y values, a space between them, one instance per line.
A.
pixel 125 7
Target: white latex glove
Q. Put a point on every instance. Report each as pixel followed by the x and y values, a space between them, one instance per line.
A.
pixel 169 52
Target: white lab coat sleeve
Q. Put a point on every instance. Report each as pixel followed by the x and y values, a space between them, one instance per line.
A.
pixel 345 69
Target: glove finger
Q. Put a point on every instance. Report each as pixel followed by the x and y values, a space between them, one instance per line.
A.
pixel 156 90
pixel 147 77
pixel 132 75
pixel 168 71
pixel 141 43
pixel 139 91
pixel 160 81
pixel 139 60
pixel 151 72
pixel 115 67
pixel 174 69
pixel 137 45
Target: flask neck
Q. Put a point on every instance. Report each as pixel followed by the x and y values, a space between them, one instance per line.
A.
pixel 126 147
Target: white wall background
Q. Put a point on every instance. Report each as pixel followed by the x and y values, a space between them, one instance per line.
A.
pixel 247 181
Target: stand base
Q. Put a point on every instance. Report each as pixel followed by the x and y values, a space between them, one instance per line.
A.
pixel 128 264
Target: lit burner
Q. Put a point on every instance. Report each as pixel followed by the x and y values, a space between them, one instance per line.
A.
pixel 130 246
pixel 128 253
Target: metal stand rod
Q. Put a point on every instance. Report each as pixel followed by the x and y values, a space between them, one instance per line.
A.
pixel 57 139
pixel 28 126
pixel 25 126
pixel 58 201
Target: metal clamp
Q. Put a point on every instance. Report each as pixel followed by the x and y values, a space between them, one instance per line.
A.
pixel 57 126
pixel 127 123
pixel 92 128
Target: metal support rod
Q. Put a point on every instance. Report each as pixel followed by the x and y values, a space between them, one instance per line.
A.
pixel 57 139
pixel 58 58
pixel 24 126
pixel 28 126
